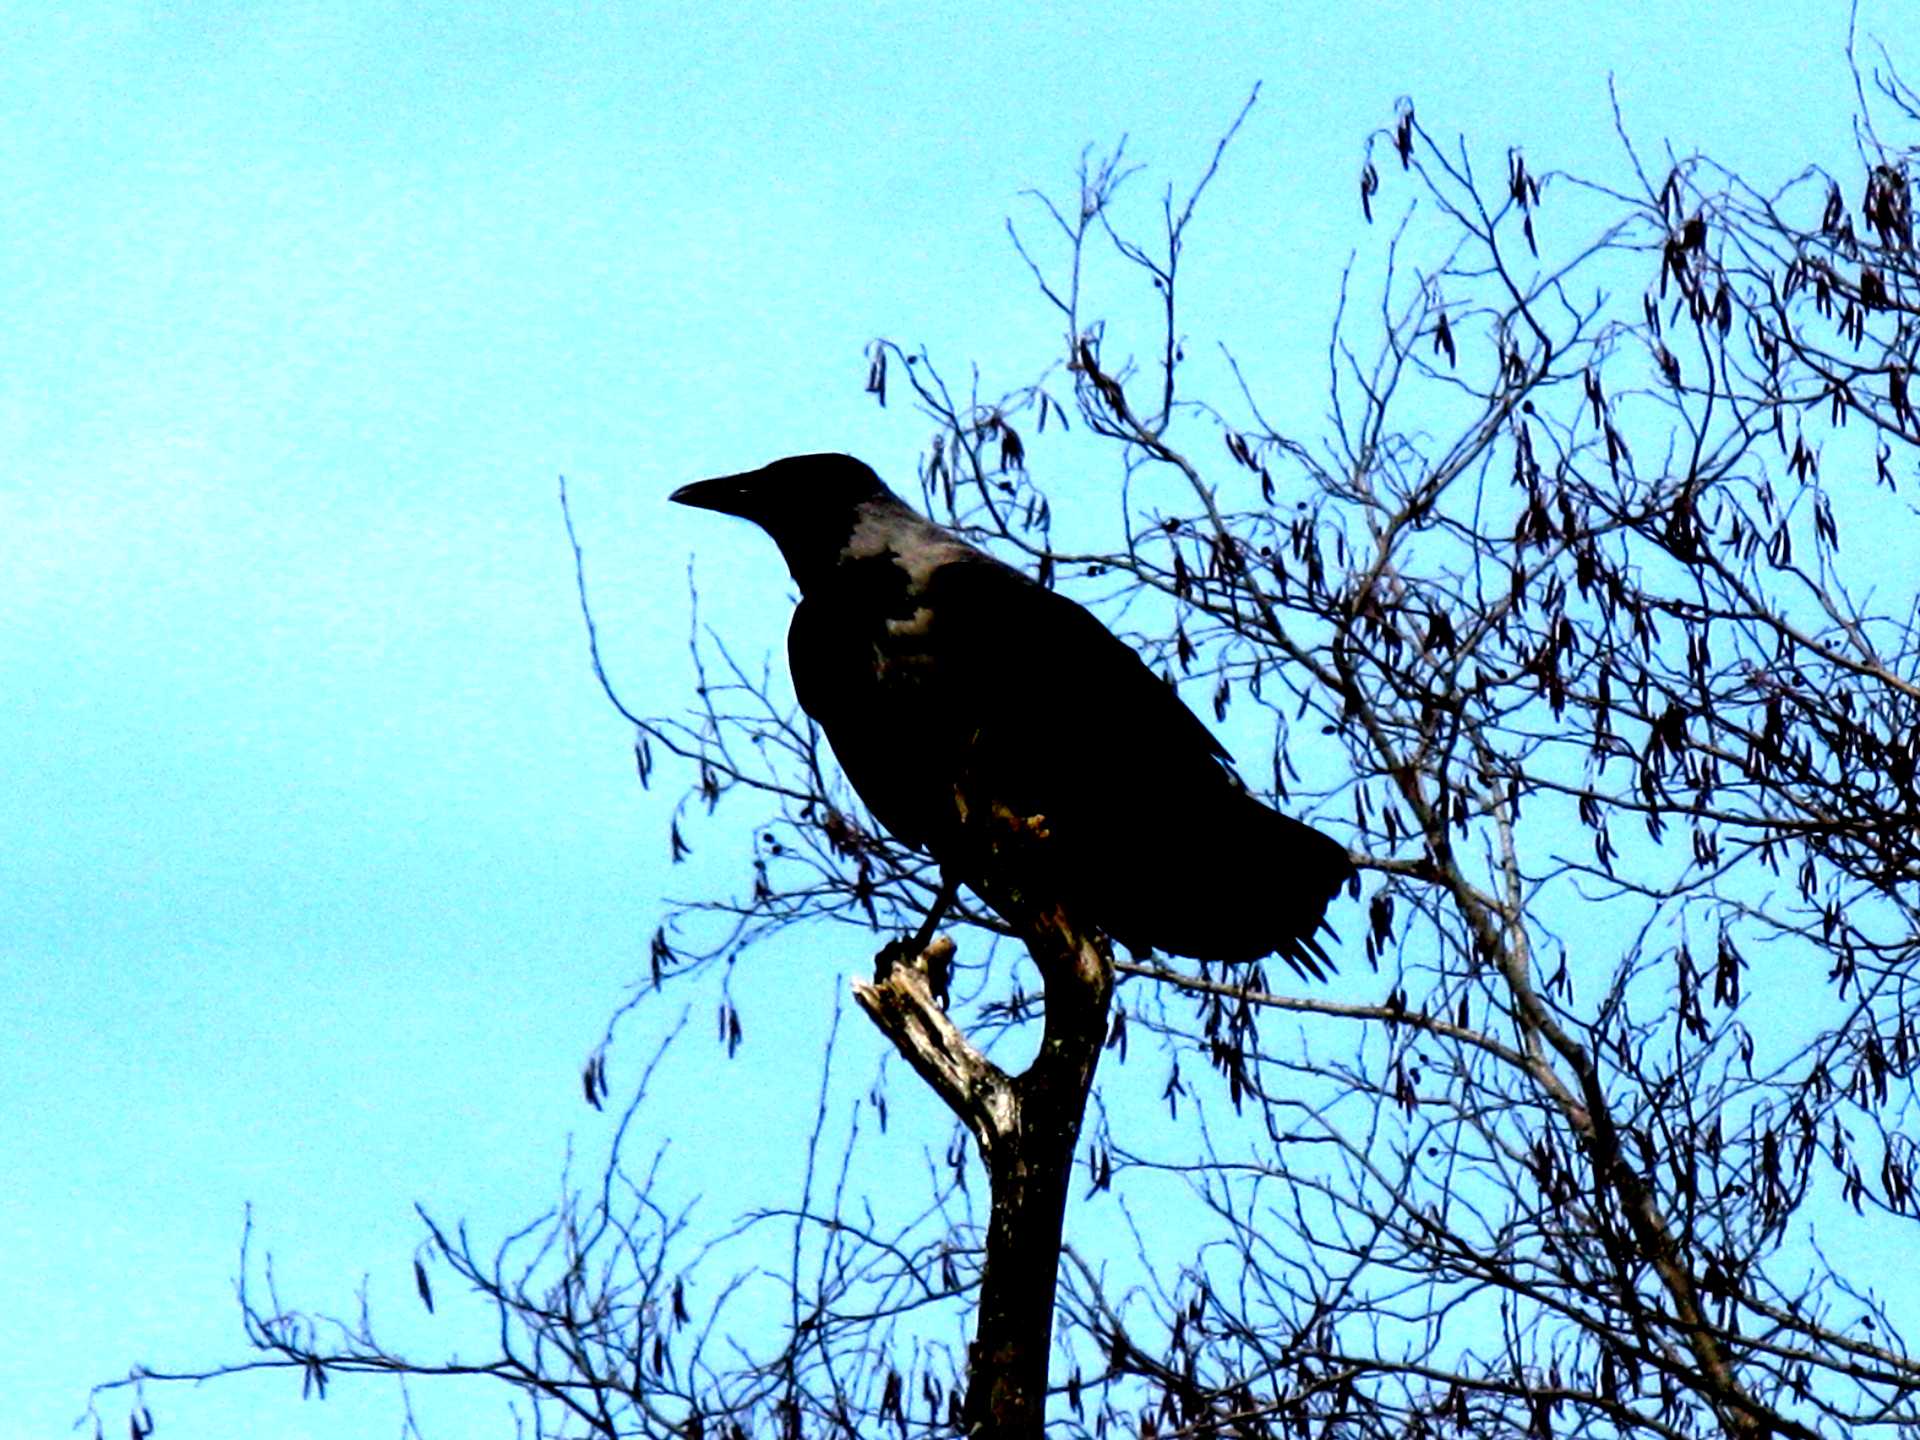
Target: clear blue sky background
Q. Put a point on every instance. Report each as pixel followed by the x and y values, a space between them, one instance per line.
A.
pixel 324 860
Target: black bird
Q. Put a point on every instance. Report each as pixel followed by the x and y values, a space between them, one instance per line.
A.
pixel 959 695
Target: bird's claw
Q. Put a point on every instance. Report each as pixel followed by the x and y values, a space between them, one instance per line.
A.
pixel 933 959
pixel 895 952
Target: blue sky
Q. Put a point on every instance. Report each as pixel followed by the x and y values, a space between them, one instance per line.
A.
pixel 325 858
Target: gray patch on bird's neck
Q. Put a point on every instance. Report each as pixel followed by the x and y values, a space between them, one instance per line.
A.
pixel 917 545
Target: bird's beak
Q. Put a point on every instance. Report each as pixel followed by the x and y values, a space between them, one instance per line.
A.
pixel 728 494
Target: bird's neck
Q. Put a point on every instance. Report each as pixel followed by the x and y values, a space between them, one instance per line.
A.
pixel 881 545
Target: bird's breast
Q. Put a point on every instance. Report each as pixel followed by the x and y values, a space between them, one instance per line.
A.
pixel 865 666
pixel 904 649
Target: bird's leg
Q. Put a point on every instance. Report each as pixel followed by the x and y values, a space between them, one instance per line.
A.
pixel 897 952
pixel 943 900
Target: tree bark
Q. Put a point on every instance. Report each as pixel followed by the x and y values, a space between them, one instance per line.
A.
pixel 1027 1127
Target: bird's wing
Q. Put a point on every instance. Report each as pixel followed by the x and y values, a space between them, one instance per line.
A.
pixel 1150 834
pixel 1037 657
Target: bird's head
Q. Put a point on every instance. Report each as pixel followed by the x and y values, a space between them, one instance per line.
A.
pixel 807 503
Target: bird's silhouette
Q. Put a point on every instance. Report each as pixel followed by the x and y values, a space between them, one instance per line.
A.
pixel 1001 727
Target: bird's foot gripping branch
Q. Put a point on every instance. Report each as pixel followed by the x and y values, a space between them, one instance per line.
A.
pixel 932 959
pixel 1027 1126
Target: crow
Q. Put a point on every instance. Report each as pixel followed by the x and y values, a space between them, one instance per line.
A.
pixel 1000 727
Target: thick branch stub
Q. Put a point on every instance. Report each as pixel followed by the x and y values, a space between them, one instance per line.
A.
pixel 1027 1126
pixel 901 1004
